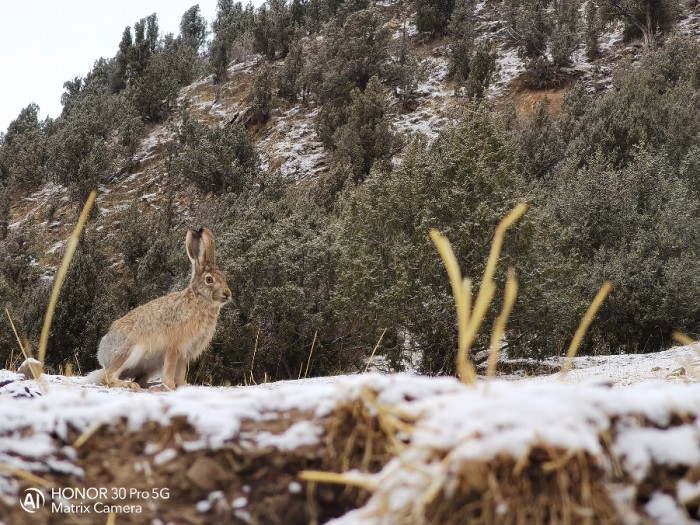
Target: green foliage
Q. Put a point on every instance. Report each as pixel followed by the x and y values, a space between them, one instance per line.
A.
pixel 433 16
pixel 635 226
pixel 24 150
pixel 650 105
pixel 546 34
pixel 462 31
pixel 16 265
pixel 262 94
pixel 471 64
pixel 291 81
pixel 155 91
pixel 4 211
pixel 615 207
pixel 482 65
pixel 193 28
pixel 612 181
pixel 645 18
pixel 220 160
pixel 403 70
pixel 389 274
pixel 366 139
pixel 82 154
pixel 273 29
pixel 540 144
pixel 153 254
pixel 233 24
pixel 593 30
pixel 276 247
pixel 348 56
pixel 81 316
pixel 122 71
pixel 564 38
pixel 530 26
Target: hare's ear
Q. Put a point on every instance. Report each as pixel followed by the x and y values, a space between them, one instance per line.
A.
pixel 200 249
pixel 206 245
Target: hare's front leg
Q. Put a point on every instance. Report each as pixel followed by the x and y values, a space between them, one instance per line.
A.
pixel 172 357
pixel 181 372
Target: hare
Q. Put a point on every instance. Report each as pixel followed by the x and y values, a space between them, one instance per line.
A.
pixel 165 334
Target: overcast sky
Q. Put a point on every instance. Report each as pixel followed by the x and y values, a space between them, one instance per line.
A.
pixel 43 43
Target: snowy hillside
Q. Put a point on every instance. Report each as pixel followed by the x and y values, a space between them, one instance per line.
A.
pixel 586 448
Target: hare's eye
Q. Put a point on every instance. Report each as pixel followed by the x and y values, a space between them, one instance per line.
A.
pixel 209 279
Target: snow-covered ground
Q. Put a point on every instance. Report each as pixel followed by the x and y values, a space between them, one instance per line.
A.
pixel 629 416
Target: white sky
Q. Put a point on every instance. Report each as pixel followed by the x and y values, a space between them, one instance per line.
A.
pixel 44 43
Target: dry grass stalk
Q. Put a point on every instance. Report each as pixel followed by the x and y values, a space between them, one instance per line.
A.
pixel 374 350
pixel 35 373
pixel 390 422
pixel 499 326
pixel 461 290
pixel 61 276
pixel 311 352
pixel 85 436
pixel 683 339
pixel 585 323
pixel 469 319
pixel 347 479
pixel 28 476
pixel 252 363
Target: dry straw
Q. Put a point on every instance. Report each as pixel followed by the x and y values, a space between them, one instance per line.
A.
pixel 585 323
pixel 311 352
pixel 35 373
pixel 683 339
pixel 374 350
pixel 255 351
pixel 469 319
pixel 61 276
pixel 499 326
pixel 27 476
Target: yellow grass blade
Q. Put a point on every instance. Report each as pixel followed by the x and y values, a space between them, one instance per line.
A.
pixel 252 363
pixel 585 323
pixel 683 339
pixel 333 477
pixel 61 275
pixel 499 327
pixel 311 352
pixel 28 476
pixel 369 361
pixel 455 275
pixel 469 319
pixel 497 242
pixel 465 370
pixel 83 438
pixel 19 342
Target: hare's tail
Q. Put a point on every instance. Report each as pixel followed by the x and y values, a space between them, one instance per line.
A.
pixel 94 378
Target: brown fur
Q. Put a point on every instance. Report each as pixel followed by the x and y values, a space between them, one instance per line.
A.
pixel 165 334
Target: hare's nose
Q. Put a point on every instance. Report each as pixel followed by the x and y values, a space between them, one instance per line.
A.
pixel 227 294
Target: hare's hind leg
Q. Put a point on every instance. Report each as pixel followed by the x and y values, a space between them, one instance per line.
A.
pixel 116 355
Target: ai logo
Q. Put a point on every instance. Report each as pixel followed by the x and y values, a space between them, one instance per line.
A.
pixel 32 500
